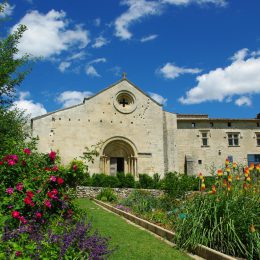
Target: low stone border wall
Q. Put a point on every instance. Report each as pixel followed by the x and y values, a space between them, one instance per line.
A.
pixel 202 251
pixel 92 192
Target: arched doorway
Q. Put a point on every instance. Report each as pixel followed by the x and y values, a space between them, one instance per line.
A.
pixel 118 156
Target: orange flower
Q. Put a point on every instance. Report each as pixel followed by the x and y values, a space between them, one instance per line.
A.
pixel 229 178
pixel 203 186
pixel 229 187
pixel 200 176
pixel 237 178
pixel 252 166
pixel 248 179
pixel 234 165
pixel 220 173
pixel 214 189
pixel 227 161
pixel 224 183
pixel 244 186
pixel 258 167
pixel 228 169
pixel 246 171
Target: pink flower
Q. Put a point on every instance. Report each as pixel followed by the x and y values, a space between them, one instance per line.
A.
pixel 38 191
pixel 18 253
pixel 47 203
pixel 15 214
pixel 19 186
pixel 75 167
pixel 28 201
pixel 10 190
pixel 52 155
pixel 23 220
pixel 11 162
pixel 60 180
pixel 55 168
pixel 38 215
pixel 53 178
pixel 27 151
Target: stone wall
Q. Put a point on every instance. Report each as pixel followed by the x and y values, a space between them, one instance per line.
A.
pixel 92 192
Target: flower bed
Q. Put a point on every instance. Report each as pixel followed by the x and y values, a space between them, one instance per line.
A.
pixel 37 217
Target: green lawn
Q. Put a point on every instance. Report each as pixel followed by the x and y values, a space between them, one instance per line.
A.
pixel 132 242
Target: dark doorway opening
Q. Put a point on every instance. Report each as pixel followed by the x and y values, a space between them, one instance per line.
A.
pixel 120 164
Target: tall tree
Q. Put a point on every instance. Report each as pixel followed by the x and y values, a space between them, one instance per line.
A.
pixel 13 69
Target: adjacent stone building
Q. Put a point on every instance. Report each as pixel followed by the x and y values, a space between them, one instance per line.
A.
pixel 138 136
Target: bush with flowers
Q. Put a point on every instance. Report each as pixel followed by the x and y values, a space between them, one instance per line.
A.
pixel 226 218
pixel 37 217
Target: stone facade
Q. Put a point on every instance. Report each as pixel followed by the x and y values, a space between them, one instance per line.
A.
pixel 136 135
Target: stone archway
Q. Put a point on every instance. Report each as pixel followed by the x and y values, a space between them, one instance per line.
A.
pixel 118 156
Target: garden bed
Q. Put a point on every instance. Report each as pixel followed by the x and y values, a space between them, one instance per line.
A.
pixel 201 250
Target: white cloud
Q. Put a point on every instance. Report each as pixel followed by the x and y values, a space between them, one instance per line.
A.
pixel 29 107
pixel 97 22
pixel 140 9
pixel 70 98
pixel 7 11
pixel 243 101
pixel 77 56
pixel 64 65
pixel 170 71
pixel 241 78
pixel 116 71
pixel 158 98
pixel 99 60
pixel 91 71
pixel 48 34
pixel 149 38
pixel 240 55
pixel 200 2
pixel 99 42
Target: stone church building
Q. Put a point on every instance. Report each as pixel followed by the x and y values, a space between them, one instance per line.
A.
pixel 138 136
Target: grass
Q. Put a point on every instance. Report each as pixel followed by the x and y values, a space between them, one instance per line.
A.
pixel 132 242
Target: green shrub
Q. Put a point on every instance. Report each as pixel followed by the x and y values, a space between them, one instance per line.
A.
pixel 121 178
pixel 107 194
pixel 111 181
pixel 146 181
pixel 98 180
pixel 129 181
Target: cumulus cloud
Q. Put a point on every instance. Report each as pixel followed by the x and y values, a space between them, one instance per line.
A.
pixel 149 38
pixel 64 66
pixel 171 71
pixel 99 42
pixel 140 9
pixel 240 78
pixel 7 11
pixel 158 98
pixel 77 56
pixel 29 107
pixel 48 34
pixel 70 98
pixel 137 10
pixel 243 101
pixel 91 70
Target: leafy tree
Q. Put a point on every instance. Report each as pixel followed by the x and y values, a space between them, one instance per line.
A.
pixel 12 67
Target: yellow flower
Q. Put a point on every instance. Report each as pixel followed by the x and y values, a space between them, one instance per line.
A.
pixel 252 228
pixel 220 173
pixel 203 186
pixel 229 178
pixel 200 176
pixel 252 166
pixel 227 161
pixel 234 165
pixel 229 187
pixel 228 169
pixel 248 179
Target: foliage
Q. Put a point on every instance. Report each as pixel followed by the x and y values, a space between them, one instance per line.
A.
pixel 146 181
pixel 37 213
pixel 107 194
pixel 11 73
pixel 227 218
pixel 125 180
pixel 176 185
pixel 141 202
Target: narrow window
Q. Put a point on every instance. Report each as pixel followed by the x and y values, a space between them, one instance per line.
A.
pixel 204 139
pixel 233 139
pixel 257 124
pixel 199 161
pixel 193 125
pixel 229 124
pixel 211 124
pixel 258 139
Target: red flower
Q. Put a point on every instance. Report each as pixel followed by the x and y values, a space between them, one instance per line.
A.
pixel 23 220
pixel 29 194
pixel 60 180
pixel 47 203
pixel 27 151
pixel 19 186
pixel 18 253
pixel 38 215
pixel 55 168
pixel 53 178
pixel 28 201
pixel 1 162
pixel 15 214
pixel 52 155
pixel 75 167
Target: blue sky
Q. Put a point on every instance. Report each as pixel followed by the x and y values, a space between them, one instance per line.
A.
pixel 194 56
